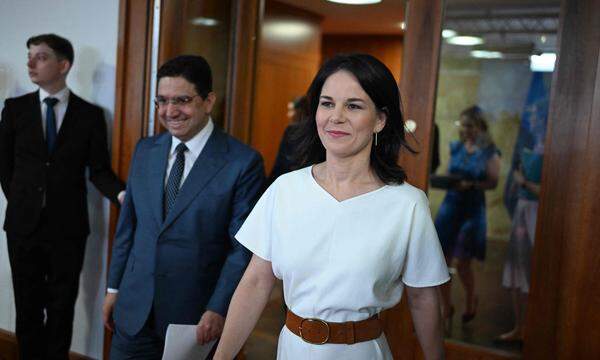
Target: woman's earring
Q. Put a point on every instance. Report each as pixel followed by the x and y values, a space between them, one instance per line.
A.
pixel 375 139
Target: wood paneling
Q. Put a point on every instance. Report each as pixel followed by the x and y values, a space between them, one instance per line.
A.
pixel 242 72
pixel 563 320
pixel 289 56
pixel 457 351
pixel 418 90
pixel 131 109
pixel 10 351
pixel 8 346
pixel 181 35
pixel 387 48
pixel 419 84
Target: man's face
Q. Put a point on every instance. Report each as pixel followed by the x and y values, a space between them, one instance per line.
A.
pixel 180 109
pixel 45 68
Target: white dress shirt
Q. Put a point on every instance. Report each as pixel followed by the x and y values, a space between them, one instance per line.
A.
pixel 195 146
pixel 59 109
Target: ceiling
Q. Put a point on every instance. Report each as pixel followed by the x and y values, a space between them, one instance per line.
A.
pixel 468 16
pixel 382 18
pixel 520 27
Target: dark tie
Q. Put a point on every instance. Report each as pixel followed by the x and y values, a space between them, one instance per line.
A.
pixel 50 123
pixel 174 181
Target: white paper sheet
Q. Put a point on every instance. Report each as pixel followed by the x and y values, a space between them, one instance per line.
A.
pixel 181 344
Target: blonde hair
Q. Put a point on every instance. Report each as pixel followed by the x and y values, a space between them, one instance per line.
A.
pixel 475 114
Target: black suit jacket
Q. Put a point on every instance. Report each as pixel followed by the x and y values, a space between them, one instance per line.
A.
pixel 28 173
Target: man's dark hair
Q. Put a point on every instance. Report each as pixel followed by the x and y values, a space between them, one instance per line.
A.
pixel 61 46
pixel 193 68
pixel 378 82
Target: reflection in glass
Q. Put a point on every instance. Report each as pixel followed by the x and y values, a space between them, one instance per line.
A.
pixel 461 219
pixel 509 84
pixel 201 28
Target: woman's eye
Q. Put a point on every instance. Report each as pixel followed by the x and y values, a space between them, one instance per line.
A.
pixel 327 104
pixel 354 107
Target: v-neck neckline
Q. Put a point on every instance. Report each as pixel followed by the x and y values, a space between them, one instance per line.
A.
pixel 333 198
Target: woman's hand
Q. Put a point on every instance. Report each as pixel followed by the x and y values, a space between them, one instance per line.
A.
pixel 518 177
pixel 464 185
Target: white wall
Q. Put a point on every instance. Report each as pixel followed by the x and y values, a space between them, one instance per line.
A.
pixel 92 26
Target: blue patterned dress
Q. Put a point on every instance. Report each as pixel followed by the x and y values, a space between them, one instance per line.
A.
pixel 460 221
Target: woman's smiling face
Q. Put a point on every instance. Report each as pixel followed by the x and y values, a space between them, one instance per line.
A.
pixel 346 116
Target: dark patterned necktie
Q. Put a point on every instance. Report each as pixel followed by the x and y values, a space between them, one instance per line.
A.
pixel 174 181
pixel 50 123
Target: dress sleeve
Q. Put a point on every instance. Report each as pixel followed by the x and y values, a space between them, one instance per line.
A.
pixel 424 264
pixel 455 147
pixel 256 234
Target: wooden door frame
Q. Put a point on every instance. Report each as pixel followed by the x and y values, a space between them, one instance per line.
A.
pixel 563 322
pixel 418 86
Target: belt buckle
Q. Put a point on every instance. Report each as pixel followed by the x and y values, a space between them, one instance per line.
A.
pixel 315 320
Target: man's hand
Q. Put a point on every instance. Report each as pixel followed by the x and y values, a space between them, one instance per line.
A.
pixel 107 310
pixel 210 327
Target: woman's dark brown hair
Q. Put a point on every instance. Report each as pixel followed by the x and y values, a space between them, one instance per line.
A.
pixel 379 83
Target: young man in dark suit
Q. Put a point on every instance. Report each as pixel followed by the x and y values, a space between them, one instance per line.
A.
pixel 47 140
pixel 175 259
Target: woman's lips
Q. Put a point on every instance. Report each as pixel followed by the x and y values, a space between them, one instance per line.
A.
pixel 337 133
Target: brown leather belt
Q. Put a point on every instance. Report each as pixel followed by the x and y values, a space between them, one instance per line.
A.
pixel 317 331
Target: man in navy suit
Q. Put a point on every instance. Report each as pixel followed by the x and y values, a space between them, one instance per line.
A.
pixel 175 259
pixel 48 138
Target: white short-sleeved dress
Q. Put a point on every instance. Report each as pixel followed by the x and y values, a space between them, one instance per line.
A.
pixel 343 260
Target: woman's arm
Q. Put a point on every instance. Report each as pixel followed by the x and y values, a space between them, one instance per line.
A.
pixel 529 185
pixel 247 304
pixel 424 307
pixel 492 173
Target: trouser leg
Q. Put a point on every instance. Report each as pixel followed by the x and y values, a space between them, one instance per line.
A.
pixel 28 266
pixel 146 345
pixel 65 263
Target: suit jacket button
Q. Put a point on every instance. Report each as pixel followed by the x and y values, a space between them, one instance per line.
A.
pixel 40 188
pixel 48 164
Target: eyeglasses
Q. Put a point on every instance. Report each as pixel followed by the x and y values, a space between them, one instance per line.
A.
pixel 161 101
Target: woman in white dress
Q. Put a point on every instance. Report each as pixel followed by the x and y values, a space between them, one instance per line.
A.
pixel 346 234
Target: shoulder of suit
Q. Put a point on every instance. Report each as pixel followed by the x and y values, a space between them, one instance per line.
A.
pixel 150 140
pixel 23 99
pixel 75 99
pixel 237 147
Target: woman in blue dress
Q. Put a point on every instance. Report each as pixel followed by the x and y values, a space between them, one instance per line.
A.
pixel 461 219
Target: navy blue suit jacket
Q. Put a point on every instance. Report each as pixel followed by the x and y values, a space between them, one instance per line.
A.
pixel 190 261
